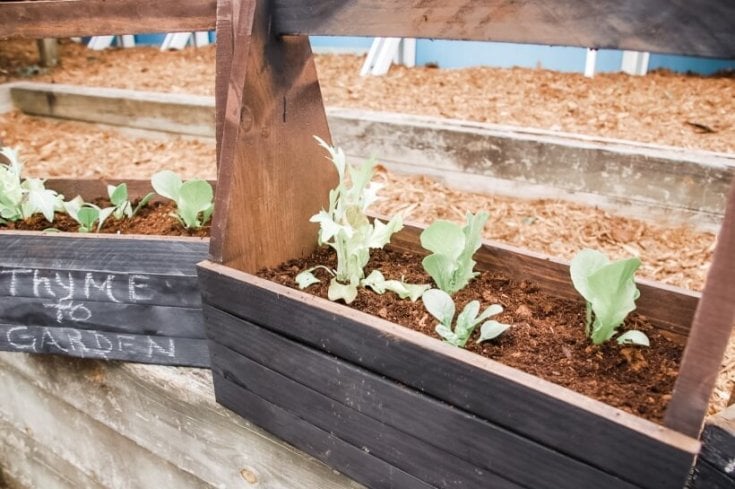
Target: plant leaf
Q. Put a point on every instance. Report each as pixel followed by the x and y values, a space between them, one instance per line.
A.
pixel 118 195
pixel 441 269
pixel 492 329
pixel 306 278
pixel 491 310
pixel 167 184
pixel 346 292
pixel 613 294
pixel 195 196
pixel 447 335
pixel 440 305
pixel 633 337
pixel 443 238
pixel 584 264
pixel 381 233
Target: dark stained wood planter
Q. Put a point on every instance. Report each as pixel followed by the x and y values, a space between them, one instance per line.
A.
pixel 715 467
pixel 391 407
pixel 132 298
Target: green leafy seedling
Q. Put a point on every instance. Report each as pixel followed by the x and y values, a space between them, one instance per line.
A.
pixel 377 282
pixel 441 306
pixel 21 198
pixel 193 198
pixel 610 293
pixel 86 214
pixel 346 228
pixel 451 264
pixel 122 206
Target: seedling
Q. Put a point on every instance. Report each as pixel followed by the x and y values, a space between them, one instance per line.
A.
pixel 21 198
pixel 377 282
pixel 610 293
pixel 121 205
pixel 193 198
pixel 86 214
pixel 451 264
pixel 346 228
pixel 441 306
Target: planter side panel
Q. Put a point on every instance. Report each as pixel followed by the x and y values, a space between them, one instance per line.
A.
pixel 600 437
pixel 133 299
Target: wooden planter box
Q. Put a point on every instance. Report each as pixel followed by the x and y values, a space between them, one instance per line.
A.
pixel 383 404
pixel 394 408
pixel 715 467
pixel 132 298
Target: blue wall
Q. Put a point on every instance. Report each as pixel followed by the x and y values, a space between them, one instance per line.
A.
pixel 460 54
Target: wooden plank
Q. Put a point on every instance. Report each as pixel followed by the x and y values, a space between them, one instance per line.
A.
pixel 354 462
pixel 87 343
pixel 145 255
pixel 223 55
pixel 169 413
pixel 600 435
pixel 709 336
pixel 397 448
pixel 451 433
pixel 667 307
pixel 108 316
pixel 718 444
pixel 269 164
pixel 72 18
pixel 650 25
pixel 706 476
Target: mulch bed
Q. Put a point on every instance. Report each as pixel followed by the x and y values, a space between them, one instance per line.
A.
pixel 546 338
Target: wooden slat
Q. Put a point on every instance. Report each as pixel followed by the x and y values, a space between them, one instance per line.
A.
pixel 701 27
pixel 397 448
pixel 303 435
pixel 89 343
pixel 667 307
pixel 718 443
pixel 71 18
pixel 706 476
pixel 272 175
pixel 600 435
pixel 225 48
pixel 451 432
pixel 709 336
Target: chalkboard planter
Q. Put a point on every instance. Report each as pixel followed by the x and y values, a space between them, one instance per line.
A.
pixel 715 467
pixel 131 298
pixel 394 408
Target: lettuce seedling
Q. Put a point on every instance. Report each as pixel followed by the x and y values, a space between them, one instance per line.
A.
pixel 21 198
pixel 346 228
pixel 610 293
pixel 122 207
pixel 380 285
pixel 194 198
pixel 451 263
pixel 441 306
pixel 86 214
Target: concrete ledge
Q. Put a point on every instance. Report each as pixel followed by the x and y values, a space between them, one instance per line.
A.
pixel 642 180
pixel 69 423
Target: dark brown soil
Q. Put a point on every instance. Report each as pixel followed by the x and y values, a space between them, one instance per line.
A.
pixel 547 338
pixel 153 219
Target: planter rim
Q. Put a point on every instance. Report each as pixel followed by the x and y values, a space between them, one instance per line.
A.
pixel 66 234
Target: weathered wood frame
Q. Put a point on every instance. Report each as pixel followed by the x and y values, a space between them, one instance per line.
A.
pixel 144 306
pixel 268 107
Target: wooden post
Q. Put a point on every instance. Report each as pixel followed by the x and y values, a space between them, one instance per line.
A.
pixel 273 176
pixel 48 51
pixel 711 329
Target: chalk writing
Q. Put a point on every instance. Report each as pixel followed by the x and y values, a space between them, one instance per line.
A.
pixel 66 292
pixel 83 343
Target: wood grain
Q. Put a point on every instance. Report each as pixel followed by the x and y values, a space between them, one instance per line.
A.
pixel 648 25
pixel 718 444
pixel 541 411
pixel 272 175
pixel 305 436
pixel 709 336
pixel 70 18
pixel 402 414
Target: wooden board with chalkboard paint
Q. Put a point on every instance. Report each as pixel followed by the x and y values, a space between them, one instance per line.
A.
pixel 133 298
pixel 715 467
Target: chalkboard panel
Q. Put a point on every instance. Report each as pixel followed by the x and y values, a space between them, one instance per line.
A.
pixel 102 296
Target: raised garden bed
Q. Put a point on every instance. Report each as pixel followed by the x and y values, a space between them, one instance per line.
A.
pixel 110 296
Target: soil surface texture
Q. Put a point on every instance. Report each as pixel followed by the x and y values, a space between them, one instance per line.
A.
pixel 546 338
pixel 156 218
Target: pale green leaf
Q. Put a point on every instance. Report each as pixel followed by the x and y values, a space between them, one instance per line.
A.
pixel 492 329
pixel 306 278
pixel 382 233
pixel 337 291
pixel 444 238
pixel 584 264
pixel 613 294
pixel 440 305
pixel 441 269
pixel 167 184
